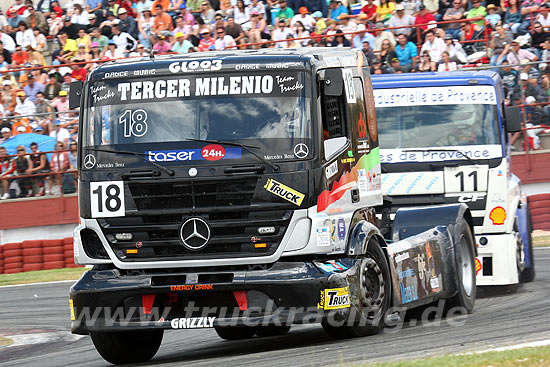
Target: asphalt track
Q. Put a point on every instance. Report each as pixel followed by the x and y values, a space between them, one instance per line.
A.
pixel 500 318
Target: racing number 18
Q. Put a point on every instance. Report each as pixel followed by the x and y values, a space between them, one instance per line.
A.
pixel 107 199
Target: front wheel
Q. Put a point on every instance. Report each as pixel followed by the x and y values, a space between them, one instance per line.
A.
pixel 235 332
pixel 375 296
pixel 528 274
pixel 122 347
pixel 466 273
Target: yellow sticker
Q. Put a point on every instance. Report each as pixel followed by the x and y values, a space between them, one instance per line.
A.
pixel 260 245
pixel 285 192
pixel 348 160
pixel 135 251
pixel 334 298
pixel 72 310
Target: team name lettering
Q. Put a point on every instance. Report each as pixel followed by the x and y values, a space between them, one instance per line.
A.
pixel 192 322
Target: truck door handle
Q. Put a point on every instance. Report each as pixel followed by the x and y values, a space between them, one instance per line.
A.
pixel 355 195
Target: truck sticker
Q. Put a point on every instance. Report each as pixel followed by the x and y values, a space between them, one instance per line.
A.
pixel 334 298
pixel 107 199
pixel 362 181
pixel 323 236
pixel 195 65
pixel 341 229
pixel 498 215
pixel 429 96
pixel 211 152
pixel 192 322
pixel 285 192
pixel 435 154
pixel 351 97
pixel 361 127
pixel 331 170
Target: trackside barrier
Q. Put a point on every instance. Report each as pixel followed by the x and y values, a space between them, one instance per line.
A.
pixel 35 255
pixel 540 215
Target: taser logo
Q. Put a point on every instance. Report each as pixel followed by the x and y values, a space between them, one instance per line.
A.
pixel 285 192
pixel 211 152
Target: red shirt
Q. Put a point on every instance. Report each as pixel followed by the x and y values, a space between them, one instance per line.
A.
pixel 204 45
pixel 79 74
pixel 428 17
pixel 369 10
pixel 20 59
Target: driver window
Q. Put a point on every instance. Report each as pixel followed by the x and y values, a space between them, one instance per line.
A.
pixel 334 124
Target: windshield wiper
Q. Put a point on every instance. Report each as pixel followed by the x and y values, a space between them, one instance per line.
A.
pixel 441 150
pixel 139 155
pixel 248 148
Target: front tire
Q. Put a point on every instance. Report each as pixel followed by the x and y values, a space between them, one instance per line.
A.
pixel 375 296
pixel 122 347
pixel 528 274
pixel 271 330
pixel 466 274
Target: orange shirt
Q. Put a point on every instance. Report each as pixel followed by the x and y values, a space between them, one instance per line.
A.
pixel 162 22
pixel 163 3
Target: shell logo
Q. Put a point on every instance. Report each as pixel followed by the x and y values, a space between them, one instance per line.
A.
pixel 498 215
pixel 478 265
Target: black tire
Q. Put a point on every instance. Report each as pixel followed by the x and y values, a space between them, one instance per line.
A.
pixel 235 332
pixel 528 274
pixel 271 330
pixel 466 273
pixel 122 347
pixel 375 290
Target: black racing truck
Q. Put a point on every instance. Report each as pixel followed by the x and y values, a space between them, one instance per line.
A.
pixel 239 190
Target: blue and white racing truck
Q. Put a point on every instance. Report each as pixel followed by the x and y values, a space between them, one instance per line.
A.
pixel 444 139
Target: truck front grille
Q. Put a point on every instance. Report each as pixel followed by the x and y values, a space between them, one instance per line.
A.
pixel 230 207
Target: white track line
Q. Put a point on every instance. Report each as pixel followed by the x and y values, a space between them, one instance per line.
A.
pixel 27 284
pixel 539 343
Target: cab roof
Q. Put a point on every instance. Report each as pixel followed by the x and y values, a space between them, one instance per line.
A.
pixel 413 80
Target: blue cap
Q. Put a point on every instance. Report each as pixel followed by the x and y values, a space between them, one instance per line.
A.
pixel 317 14
pixel 111 42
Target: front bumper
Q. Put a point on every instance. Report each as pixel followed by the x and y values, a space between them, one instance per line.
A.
pixel 497 260
pixel 283 294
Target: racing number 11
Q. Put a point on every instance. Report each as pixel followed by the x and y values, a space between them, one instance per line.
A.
pixel 472 174
pixel 107 199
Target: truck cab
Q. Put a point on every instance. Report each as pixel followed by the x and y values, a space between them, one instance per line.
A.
pixel 237 190
pixel 445 139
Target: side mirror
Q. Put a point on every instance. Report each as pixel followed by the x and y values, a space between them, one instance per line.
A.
pixel 75 91
pixel 513 119
pixel 333 82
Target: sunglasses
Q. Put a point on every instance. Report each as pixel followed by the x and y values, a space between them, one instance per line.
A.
pixel 20 150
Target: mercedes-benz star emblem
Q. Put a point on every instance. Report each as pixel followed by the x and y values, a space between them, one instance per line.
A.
pixel 301 150
pixel 89 161
pixel 194 234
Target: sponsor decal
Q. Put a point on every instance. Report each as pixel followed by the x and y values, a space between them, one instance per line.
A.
pixel 351 96
pixel 401 257
pixel 408 273
pixel 301 150
pixel 101 93
pixel 341 229
pixel 397 247
pixel 323 236
pixel 363 146
pixel 333 233
pixel 192 322
pixel 335 298
pixel 116 74
pixel 498 215
pixel 212 152
pixel 260 245
pixel 332 267
pixel 139 244
pixel 478 265
pixel 361 127
pixel 350 153
pixel 497 199
pixel 132 251
pixel 434 283
pixel 247 67
pixel 71 306
pixel 470 198
pixel 408 293
pixel 89 161
pixel 195 65
pixel 420 264
pixel 348 160
pixel 428 96
pixel 362 181
pixel 192 287
pixel 287 84
pixel 437 154
pixel 144 72
pixel 285 192
pixel 331 170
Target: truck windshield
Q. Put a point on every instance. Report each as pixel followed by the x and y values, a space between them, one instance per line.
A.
pixel 158 110
pixel 461 118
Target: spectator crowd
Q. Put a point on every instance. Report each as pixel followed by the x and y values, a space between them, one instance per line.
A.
pixel 45 45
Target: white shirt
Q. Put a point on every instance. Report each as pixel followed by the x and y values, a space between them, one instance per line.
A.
pixel 351 27
pixel 279 35
pixel 308 21
pixel 62 134
pixel 25 38
pixel 80 19
pixel 25 108
pixel 435 49
pixel 8 42
pixel 122 41
pixel 222 44
pixel 116 55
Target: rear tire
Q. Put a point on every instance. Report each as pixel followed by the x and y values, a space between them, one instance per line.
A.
pixel 235 332
pixel 271 330
pixel 121 347
pixel 375 296
pixel 466 273
pixel 528 274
